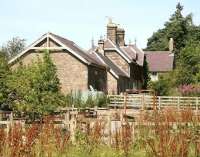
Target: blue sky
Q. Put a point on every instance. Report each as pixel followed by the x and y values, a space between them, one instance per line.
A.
pixel 80 20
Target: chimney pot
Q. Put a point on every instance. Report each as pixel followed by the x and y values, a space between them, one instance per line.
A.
pixel 101 46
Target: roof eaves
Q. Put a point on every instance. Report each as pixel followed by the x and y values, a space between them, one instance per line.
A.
pixel 27 49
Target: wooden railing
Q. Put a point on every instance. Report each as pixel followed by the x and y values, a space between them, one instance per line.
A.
pixel 147 101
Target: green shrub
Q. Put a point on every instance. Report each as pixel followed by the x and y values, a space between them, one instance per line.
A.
pixel 161 87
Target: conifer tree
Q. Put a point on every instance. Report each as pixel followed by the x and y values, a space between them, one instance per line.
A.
pixel 177 28
pixel 4 91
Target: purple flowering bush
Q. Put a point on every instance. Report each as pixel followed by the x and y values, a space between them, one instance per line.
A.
pixel 189 90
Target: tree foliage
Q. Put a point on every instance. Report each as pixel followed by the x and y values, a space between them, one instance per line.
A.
pixel 186 37
pixel 178 28
pixel 13 47
pixel 145 74
pixel 36 88
pixel 161 87
pixel 188 69
pixel 4 90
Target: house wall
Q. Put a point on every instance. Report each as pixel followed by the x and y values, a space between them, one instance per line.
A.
pixel 72 73
pixel 112 84
pixel 118 60
pixel 97 78
pixel 117 85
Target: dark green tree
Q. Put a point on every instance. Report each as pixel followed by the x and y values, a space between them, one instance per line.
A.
pixel 177 28
pixel 146 76
pixel 188 69
pixel 37 88
pixel 4 90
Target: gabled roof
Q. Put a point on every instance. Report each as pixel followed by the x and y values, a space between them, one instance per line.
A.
pixel 113 68
pixel 139 53
pixel 65 44
pixel 109 45
pixel 130 53
pixel 160 61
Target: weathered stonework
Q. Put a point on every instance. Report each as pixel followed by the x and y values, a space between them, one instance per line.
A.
pixel 111 84
pixel 72 73
pixel 118 60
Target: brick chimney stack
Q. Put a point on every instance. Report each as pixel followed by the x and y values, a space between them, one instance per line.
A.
pixel 101 46
pixel 112 31
pixel 120 36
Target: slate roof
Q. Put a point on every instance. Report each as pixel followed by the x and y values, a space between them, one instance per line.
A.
pixel 68 44
pixel 109 45
pixel 112 66
pixel 106 62
pixel 130 52
pixel 140 55
pixel 78 50
pixel 160 61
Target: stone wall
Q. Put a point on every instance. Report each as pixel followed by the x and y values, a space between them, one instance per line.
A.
pixel 111 84
pixel 72 73
pixel 118 60
pixel 117 85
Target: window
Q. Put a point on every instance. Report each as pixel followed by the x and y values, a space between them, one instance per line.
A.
pixel 154 73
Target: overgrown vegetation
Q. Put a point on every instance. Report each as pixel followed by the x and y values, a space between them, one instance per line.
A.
pixel 87 99
pixel 4 90
pixel 34 90
pixel 166 133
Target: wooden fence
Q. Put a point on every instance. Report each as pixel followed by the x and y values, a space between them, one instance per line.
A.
pixel 148 102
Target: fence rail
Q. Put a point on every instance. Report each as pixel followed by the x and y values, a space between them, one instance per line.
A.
pixel 147 101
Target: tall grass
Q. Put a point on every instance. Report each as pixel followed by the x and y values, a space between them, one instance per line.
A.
pixel 170 133
pixel 166 133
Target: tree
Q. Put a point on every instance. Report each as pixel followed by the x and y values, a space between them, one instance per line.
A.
pixel 4 90
pixel 36 88
pixel 13 47
pixel 188 68
pixel 145 74
pixel 177 28
pixel 161 87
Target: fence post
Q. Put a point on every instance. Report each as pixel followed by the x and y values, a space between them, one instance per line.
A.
pixel 197 103
pixel 159 103
pixel 142 102
pixel 178 104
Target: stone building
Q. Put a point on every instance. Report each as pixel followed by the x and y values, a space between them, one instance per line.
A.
pixel 125 62
pixel 159 62
pixel 76 70
pixel 112 66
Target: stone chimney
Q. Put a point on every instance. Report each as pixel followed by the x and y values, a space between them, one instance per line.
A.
pixel 120 36
pixel 171 44
pixel 101 46
pixel 112 31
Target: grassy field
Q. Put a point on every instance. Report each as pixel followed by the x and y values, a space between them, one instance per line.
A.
pixel 166 133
